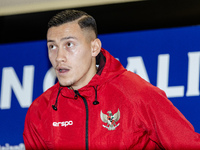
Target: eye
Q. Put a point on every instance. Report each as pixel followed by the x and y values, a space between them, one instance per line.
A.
pixel 52 47
pixel 70 44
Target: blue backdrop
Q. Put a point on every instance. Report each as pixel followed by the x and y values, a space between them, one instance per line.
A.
pixel 167 58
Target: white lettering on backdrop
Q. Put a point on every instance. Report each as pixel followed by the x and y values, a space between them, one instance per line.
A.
pixel 24 91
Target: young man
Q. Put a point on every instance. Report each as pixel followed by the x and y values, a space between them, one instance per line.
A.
pixel 97 103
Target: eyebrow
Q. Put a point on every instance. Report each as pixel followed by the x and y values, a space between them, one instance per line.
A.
pixel 65 38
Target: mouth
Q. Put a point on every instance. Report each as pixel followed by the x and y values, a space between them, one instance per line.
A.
pixel 62 70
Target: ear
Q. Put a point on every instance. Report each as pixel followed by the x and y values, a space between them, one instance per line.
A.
pixel 96 47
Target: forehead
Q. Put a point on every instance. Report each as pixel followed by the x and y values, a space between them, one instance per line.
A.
pixel 71 28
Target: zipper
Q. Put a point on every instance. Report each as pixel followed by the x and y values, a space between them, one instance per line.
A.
pixel 87 116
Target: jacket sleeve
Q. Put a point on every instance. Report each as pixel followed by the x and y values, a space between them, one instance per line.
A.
pixel 168 127
pixel 32 139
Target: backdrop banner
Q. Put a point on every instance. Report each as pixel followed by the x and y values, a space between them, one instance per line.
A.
pixel 167 58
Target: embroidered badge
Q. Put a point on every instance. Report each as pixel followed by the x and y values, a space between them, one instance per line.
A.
pixel 110 119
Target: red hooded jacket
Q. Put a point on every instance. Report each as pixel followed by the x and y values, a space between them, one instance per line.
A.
pixel 116 110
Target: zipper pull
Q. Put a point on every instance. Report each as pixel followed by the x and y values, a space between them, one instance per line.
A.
pixel 76 94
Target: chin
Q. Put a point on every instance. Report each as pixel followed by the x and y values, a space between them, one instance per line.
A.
pixel 63 83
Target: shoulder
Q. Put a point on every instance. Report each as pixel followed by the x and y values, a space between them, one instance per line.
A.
pixel 45 97
pixel 40 104
pixel 138 87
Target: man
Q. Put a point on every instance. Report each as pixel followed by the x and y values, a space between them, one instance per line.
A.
pixel 97 103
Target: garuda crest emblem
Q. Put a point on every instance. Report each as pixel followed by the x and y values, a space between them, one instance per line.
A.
pixel 110 119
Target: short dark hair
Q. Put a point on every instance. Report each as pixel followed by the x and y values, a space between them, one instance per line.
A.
pixel 86 21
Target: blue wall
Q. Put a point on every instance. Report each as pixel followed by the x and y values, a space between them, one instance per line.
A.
pixel 167 58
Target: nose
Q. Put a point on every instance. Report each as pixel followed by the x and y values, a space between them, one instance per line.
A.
pixel 61 56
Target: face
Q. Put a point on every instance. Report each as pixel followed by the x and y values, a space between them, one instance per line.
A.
pixel 72 52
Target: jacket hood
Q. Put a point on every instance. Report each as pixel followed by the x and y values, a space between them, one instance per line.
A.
pixel 109 68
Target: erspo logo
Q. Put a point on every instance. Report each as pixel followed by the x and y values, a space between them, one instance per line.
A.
pixel 63 124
